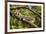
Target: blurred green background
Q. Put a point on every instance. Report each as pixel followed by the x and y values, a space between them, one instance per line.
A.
pixel 31 11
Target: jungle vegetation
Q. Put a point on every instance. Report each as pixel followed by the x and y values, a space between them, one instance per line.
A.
pixel 34 11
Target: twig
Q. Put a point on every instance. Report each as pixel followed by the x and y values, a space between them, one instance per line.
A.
pixel 31 23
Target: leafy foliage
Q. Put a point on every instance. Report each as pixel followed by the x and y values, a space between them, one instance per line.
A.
pixel 18 24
